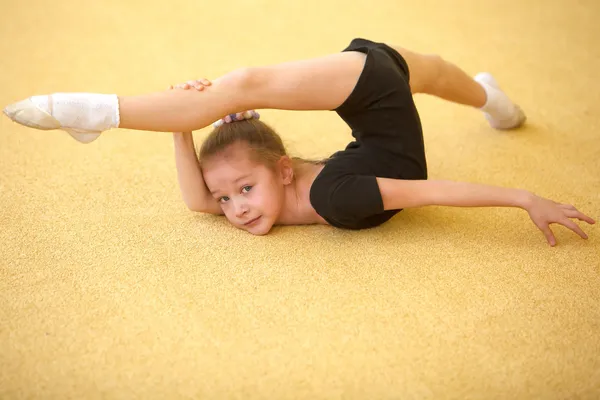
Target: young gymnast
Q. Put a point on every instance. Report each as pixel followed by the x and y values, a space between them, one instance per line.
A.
pixel 242 170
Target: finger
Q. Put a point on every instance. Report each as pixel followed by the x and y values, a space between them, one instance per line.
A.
pixel 170 87
pixel 574 227
pixel 197 85
pixel 580 216
pixel 567 206
pixel 205 82
pixel 185 86
pixel 549 235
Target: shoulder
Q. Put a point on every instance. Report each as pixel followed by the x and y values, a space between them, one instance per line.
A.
pixel 344 196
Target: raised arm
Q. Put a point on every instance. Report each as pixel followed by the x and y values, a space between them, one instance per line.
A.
pixel 189 175
pixel 397 194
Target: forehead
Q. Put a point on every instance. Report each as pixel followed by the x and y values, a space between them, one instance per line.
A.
pixel 234 162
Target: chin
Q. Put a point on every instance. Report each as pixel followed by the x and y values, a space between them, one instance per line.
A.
pixel 259 233
pixel 261 229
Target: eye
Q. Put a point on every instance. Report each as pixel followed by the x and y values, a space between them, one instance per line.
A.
pixel 247 188
pixel 222 199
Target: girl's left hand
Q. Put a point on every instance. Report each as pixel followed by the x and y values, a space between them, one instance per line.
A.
pixel 544 212
pixel 197 84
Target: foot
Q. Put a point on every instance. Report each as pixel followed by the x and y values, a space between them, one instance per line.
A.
pixel 83 116
pixel 500 111
pixel 27 113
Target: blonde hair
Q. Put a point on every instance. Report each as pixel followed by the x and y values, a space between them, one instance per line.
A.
pixel 265 145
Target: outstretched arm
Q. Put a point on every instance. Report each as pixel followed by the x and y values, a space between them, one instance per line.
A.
pixel 397 194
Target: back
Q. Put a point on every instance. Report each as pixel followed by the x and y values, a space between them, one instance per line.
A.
pixel 388 142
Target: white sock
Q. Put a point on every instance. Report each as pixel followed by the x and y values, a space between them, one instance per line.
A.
pixel 499 110
pixel 81 112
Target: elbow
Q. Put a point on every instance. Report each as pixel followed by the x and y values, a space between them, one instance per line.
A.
pixel 205 208
pixel 195 206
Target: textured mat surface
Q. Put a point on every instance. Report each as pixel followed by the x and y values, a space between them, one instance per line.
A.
pixel 110 288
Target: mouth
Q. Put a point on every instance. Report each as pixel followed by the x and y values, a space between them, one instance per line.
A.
pixel 252 221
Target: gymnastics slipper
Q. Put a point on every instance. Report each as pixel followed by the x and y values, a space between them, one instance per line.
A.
pixel 26 113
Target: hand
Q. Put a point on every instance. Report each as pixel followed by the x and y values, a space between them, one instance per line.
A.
pixel 197 84
pixel 237 117
pixel 544 212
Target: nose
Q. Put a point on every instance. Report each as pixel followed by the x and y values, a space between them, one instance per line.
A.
pixel 241 208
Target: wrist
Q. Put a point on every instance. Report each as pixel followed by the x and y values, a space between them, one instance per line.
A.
pixel 525 199
pixel 185 137
pixel 183 141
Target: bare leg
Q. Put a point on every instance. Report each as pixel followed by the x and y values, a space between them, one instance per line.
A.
pixel 316 84
pixel 184 110
pixel 455 85
pixel 86 115
pixel 431 74
pixel 321 83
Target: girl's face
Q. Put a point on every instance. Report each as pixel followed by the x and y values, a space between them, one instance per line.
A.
pixel 250 195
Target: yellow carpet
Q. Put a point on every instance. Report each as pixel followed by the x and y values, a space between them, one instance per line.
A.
pixel 110 288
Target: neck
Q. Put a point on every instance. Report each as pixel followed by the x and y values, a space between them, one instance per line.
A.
pixel 297 209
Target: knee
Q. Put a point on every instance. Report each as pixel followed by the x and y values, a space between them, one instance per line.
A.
pixel 241 78
pixel 239 86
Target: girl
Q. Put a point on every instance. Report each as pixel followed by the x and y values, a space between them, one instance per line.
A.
pixel 243 171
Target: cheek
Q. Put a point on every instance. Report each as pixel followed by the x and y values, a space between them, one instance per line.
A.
pixel 228 212
pixel 268 198
pixel 263 200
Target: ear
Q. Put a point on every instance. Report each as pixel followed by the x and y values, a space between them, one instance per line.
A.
pixel 286 170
